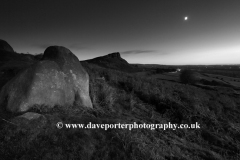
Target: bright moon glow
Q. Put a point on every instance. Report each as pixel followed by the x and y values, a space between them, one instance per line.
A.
pixel 185 18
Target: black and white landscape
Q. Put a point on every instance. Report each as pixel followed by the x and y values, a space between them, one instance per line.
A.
pixel 110 62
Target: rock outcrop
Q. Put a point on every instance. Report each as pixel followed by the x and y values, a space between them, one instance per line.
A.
pixel 114 55
pixel 58 79
pixel 4 46
pixel 112 61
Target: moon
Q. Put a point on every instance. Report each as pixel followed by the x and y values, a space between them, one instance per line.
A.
pixel 186 18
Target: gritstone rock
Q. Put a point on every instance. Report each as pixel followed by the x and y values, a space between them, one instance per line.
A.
pixel 58 79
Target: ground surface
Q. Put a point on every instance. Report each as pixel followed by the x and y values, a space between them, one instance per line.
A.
pixel 141 97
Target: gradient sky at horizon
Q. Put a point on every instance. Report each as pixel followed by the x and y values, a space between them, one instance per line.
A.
pixel 143 31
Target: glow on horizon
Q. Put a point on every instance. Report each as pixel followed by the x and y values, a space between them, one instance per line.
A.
pixel 188 57
pixel 207 58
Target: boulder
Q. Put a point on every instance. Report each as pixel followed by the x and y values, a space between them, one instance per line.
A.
pixel 5 46
pixel 30 115
pixel 58 79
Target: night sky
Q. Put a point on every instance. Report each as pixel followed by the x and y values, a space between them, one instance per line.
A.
pixel 143 31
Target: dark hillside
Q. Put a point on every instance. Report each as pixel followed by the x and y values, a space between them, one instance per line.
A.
pixel 121 97
pixel 154 101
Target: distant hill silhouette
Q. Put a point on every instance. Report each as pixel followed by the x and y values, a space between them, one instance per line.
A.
pixel 113 61
pixel 5 46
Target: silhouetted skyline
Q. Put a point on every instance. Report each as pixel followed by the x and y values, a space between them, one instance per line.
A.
pixel 148 32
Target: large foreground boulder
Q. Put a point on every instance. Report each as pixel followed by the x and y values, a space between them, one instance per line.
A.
pixel 58 79
pixel 5 46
